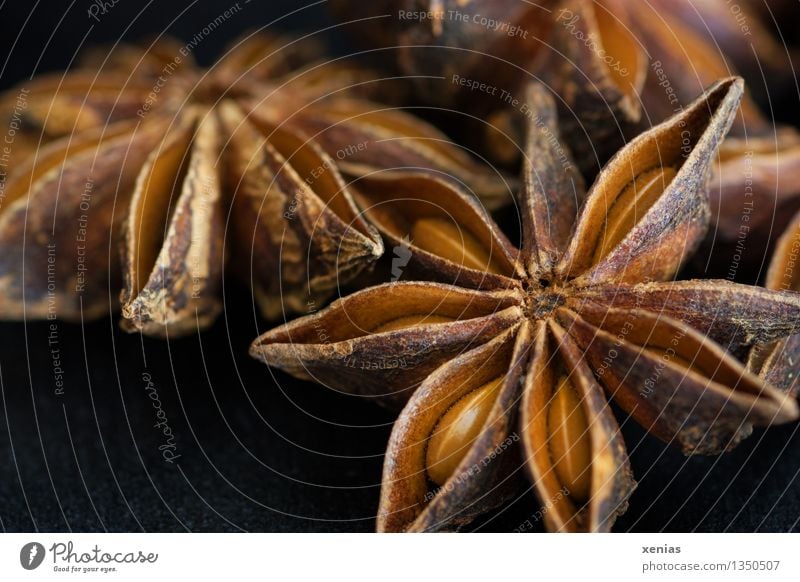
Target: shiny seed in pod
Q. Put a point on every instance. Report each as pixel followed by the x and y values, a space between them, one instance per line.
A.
pixel 444 238
pixel 631 205
pixel 457 430
pixel 411 321
pixel 570 445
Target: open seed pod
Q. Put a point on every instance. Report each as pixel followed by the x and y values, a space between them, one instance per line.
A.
pixel 599 68
pixel 364 138
pixel 169 160
pixel 648 208
pixel 173 255
pixel 587 312
pixel 574 448
pixel 439 474
pixel 758 170
pixel 421 213
pixel 60 222
pixel 674 382
pixel 290 204
pixel 381 343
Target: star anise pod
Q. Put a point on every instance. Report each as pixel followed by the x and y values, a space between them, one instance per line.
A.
pixel 625 67
pixel 143 149
pixel 523 347
pixel 618 67
pixel 427 41
pixel 622 67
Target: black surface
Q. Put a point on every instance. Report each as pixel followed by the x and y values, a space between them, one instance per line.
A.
pixel 264 453
pixel 258 450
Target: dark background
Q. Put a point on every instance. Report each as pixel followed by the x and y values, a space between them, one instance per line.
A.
pixel 259 451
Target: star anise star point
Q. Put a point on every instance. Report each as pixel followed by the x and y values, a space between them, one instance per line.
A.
pixel 192 170
pixel 510 359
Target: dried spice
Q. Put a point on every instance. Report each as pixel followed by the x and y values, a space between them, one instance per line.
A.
pixel 509 352
pixel 617 68
pixel 740 38
pixel 622 67
pixel 599 67
pixel 754 193
pixel 427 39
pixel 759 166
pixel 143 149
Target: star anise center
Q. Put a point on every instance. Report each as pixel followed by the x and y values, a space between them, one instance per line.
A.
pixel 542 302
pixel 213 88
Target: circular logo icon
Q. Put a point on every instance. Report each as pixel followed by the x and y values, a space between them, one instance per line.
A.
pixel 31 555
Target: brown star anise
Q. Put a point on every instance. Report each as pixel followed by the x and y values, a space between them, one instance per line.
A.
pixel 510 352
pixel 140 148
pixel 619 67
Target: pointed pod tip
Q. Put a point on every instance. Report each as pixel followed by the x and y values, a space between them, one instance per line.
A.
pixel 729 87
pixel 268 345
pixel 258 347
pixel 733 80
